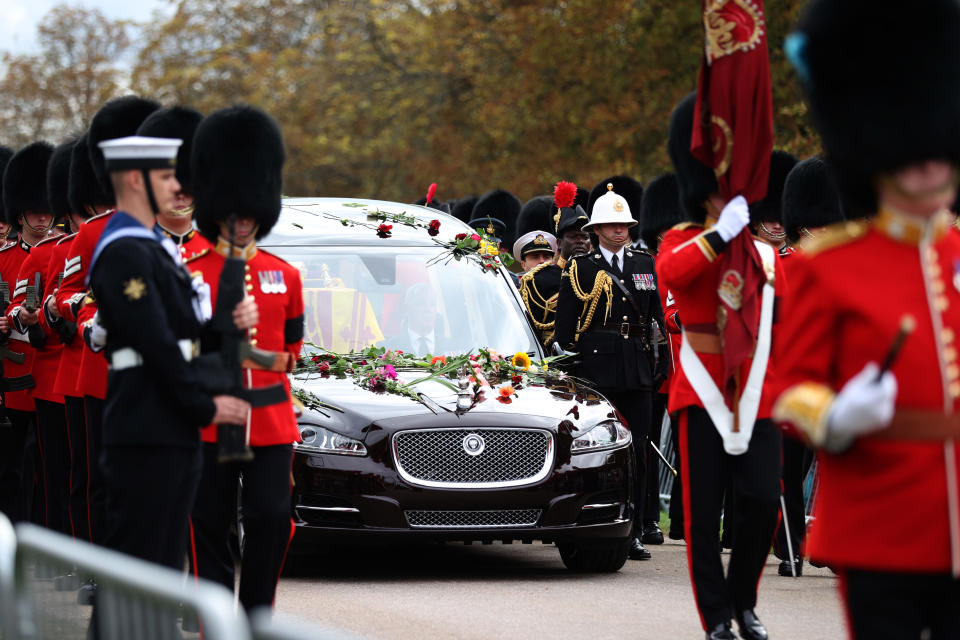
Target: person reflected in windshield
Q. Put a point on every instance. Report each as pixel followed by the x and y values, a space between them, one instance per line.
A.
pixel 420 332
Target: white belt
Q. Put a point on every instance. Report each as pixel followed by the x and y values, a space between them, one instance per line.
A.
pixel 128 357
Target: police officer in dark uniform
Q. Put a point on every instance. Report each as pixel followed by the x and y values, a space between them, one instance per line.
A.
pixel 608 309
pixel 155 402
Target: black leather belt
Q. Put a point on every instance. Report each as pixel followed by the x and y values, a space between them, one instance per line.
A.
pixel 19 383
pixel 627 330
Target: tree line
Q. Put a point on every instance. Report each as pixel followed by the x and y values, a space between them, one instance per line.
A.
pixel 379 98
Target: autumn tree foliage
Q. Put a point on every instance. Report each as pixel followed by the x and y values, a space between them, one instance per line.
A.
pixel 379 98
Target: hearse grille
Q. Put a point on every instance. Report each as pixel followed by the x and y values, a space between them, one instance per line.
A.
pixel 473 458
pixel 473 519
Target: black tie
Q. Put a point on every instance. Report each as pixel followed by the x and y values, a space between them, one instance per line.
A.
pixel 616 263
pixel 422 347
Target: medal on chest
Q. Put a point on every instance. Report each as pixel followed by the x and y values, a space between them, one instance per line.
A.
pixel 643 281
pixel 272 282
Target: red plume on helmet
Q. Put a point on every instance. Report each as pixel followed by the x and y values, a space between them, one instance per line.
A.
pixel 564 194
pixel 431 191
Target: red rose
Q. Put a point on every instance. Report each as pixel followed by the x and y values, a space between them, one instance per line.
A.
pixel 324 368
pixel 434 227
pixel 460 236
pixel 516 379
pixel 315 358
pixel 384 230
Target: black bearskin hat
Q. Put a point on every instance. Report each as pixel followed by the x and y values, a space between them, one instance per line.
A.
pixel 58 180
pixel 536 215
pixel 583 199
pixel 462 208
pixel 810 198
pixel 237 165
pixel 660 209
pixel 175 122
pixel 630 189
pixel 117 118
pixel 883 87
pixel 695 179
pixel 768 209
pixel 502 205
pixel 5 154
pixel 85 191
pixel 25 182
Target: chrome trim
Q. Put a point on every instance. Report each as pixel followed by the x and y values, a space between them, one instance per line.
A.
pixel 530 518
pixel 333 509
pixel 603 505
pixel 543 473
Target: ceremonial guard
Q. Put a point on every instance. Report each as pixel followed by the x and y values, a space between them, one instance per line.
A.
pixel 534 248
pixel 237 163
pixel 539 286
pixel 52 465
pixel 765 215
pixel 608 311
pixel 628 188
pixel 91 193
pixel 27 211
pixel 177 223
pixel 869 347
pixel 718 443
pixel 5 154
pixel 810 203
pixel 660 210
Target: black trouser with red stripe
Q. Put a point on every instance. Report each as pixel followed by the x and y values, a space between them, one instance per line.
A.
pixel 882 606
pixel 267 526
pixel 797 459
pixel 651 509
pixel 53 441
pixel 96 489
pixel 755 477
pixel 16 477
pixel 79 469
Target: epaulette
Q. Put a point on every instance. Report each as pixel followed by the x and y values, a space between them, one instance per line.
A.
pixel 639 250
pixel 99 215
pixel 8 247
pixel 197 256
pixel 63 239
pixel 46 240
pixel 683 226
pixel 834 235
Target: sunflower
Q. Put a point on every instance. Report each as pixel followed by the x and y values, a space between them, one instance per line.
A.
pixel 521 360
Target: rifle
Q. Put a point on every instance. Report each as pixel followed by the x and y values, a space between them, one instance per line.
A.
pixel 5 352
pixel 36 335
pixel 232 439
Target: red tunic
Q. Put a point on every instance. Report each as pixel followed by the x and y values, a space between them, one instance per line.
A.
pixel 690 270
pixel 191 244
pixel 280 329
pixel 11 258
pixel 46 358
pixel 69 368
pixel 853 285
pixel 92 379
pixel 670 317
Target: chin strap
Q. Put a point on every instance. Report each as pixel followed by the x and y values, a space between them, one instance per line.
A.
pixel 149 190
pixel 42 230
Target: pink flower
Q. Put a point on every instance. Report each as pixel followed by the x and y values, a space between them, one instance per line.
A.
pixel 475 237
pixel 389 371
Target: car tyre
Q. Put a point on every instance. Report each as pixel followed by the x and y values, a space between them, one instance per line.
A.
pixel 595 556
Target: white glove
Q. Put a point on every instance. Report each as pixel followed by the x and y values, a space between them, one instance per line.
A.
pixel 203 302
pixel 863 406
pixel 734 217
pixel 96 337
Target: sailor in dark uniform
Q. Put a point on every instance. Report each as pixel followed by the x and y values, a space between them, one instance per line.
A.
pixel 609 311
pixel 155 402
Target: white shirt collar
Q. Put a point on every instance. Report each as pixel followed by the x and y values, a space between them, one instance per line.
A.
pixel 608 256
pixel 415 340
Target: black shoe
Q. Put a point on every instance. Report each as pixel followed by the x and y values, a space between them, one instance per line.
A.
pixel 675 534
pixel 638 551
pixel 784 569
pixel 651 534
pixel 750 626
pixel 722 631
pixel 87 593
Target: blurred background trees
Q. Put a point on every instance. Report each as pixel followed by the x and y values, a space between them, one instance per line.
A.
pixel 379 98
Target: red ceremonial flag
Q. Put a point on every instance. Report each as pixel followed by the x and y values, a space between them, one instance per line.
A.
pixel 733 134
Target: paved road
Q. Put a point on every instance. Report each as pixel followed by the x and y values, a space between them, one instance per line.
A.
pixel 524 591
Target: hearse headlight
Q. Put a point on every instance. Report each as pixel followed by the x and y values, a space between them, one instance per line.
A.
pixel 606 435
pixel 319 440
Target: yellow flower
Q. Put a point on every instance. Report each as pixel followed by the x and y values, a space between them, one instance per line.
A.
pixel 521 360
pixel 492 250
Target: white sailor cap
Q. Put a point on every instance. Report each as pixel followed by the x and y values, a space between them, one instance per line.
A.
pixel 534 241
pixel 140 152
